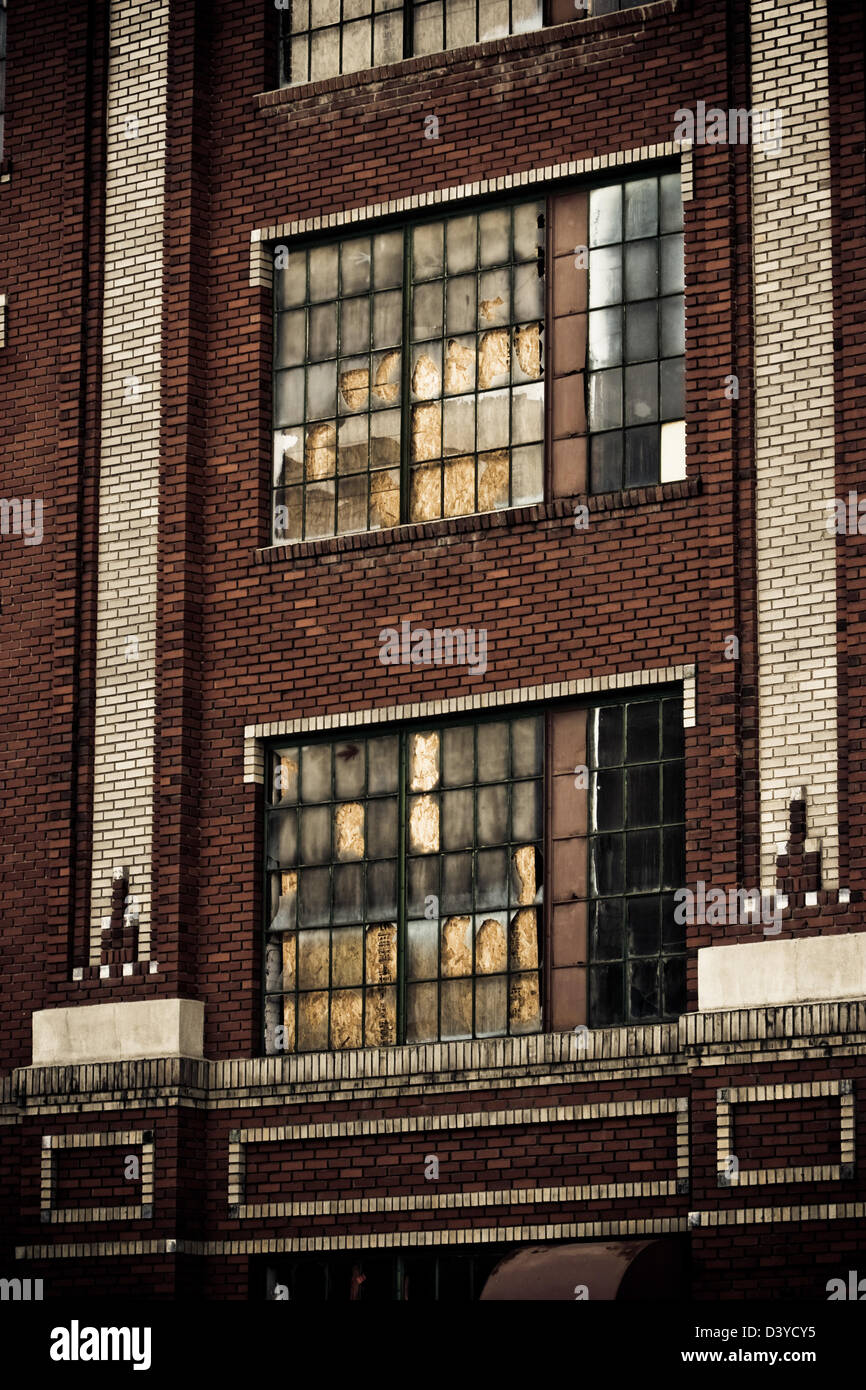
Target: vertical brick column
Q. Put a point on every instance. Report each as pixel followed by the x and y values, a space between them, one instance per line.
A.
pixel 794 429
pixel 129 463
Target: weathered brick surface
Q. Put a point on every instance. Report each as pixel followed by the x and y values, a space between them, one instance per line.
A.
pixel 655 581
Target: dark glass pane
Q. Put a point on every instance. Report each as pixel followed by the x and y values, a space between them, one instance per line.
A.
pixel 673 391
pixel 316 772
pixel 314 897
pixel 526 747
pixel 382 890
pixel 423 878
pixel 492 752
pixel 671 200
pixel 641 331
pixel 641 393
pixel 643 926
pixel 605 995
pixel 456 883
pixel 458 766
pixel 608 801
pixel 673 326
pixel 607 864
pixel 642 860
pixel 382 828
pixel 607 937
pixel 458 816
pixel 609 736
pixel 641 270
pixel 643 989
pixel 526 810
pixel 672 729
pixel 491 869
pixel 674 858
pixel 673 932
pixel 606 463
pixel 384 759
pixel 454 1277
pixel 642 731
pixel 643 795
pixel 642 456
pixel 492 815
pixel 674 792
pixel 674 978
pixel 349 769
pixel 348 892
pixel 283 837
pixel 418 1284
pixel 315 835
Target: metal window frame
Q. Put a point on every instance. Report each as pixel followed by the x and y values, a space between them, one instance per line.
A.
pixel 656 172
pixel 406 224
pixel 408 8
pixel 405 731
pixel 657 697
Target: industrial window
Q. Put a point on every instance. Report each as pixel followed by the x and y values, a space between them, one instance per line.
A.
pixel 636 332
pixel 405 884
pixel 321 38
pixel 409 374
pixel 406 869
pixel 401 1277
pixel 637 837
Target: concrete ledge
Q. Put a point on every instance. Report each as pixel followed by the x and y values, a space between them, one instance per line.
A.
pixel 760 973
pixel 118 1032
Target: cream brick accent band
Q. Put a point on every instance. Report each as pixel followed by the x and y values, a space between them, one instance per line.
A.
pixel 261 260
pixel 463 1235
pixel 254 763
pixel 728 1097
pixel 794 428
pixel 53 1143
pixel 129 464
pixel 451 1124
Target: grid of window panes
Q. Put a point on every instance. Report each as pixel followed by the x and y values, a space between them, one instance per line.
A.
pixel 401 1276
pixel 473 881
pixel 466 409
pixel 636 362
pixel 439 24
pixel 423 848
pixel 476 363
pixel 337 387
pixel 321 38
pixel 637 848
pixel 332 858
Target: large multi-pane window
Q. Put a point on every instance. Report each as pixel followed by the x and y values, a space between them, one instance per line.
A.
pixel 409 374
pixel 635 378
pixel 320 38
pixel 405 877
pixel 405 884
pixel 637 840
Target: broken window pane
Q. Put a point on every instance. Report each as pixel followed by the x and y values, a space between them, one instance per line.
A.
pixel 424 824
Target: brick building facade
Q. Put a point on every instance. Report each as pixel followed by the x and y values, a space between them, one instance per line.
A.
pixel 420 566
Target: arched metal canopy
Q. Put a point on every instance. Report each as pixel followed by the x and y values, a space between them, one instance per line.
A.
pixel 627 1269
